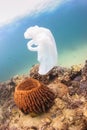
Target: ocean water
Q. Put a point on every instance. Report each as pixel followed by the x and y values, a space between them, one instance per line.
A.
pixel 68 23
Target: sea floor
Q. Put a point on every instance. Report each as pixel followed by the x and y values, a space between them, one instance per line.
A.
pixel 69 111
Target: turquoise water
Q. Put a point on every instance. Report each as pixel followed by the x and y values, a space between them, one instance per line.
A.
pixel 68 24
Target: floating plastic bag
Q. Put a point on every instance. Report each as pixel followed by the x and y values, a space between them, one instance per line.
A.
pixel 43 42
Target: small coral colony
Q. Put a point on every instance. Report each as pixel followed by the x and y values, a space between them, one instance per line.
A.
pixel 31 95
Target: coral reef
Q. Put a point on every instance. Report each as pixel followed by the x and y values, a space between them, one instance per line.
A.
pixel 57 71
pixel 32 96
pixel 69 111
pixel 84 70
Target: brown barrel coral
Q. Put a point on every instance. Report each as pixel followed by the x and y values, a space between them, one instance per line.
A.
pixel 32 96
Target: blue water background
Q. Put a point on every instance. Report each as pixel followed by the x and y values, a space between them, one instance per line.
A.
pixel 68 24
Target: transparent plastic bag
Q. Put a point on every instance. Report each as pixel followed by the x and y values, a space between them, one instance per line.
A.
pixel 45 46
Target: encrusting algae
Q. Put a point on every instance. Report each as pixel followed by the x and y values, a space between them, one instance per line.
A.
pixel 32 96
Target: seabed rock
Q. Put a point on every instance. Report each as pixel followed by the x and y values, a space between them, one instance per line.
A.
pixel 69 111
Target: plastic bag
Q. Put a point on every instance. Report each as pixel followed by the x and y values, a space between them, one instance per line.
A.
pixel 45 46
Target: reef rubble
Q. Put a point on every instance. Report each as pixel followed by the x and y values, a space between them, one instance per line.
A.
pixel 69 111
